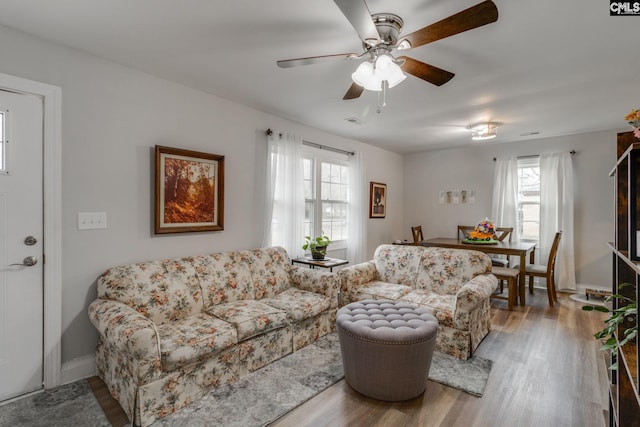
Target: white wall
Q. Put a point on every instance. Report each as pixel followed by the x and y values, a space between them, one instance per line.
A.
pixel 472 168
pixel 112 118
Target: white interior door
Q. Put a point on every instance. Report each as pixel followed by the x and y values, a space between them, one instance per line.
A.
pixel 21 253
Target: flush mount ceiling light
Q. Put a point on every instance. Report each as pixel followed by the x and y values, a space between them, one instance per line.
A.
pixel 484 130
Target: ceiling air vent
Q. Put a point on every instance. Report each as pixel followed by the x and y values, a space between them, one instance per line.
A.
pixel 354 120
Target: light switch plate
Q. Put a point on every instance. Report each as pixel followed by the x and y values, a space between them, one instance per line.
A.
pixel 92 220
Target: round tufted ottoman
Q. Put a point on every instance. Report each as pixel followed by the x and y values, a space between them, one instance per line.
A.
pixel 386 347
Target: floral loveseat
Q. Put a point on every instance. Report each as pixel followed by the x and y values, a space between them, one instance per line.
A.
pixel 455 284
pixel 170 330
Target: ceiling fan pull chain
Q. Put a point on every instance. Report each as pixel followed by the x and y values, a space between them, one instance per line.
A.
pixel 384 96
pixel 385 84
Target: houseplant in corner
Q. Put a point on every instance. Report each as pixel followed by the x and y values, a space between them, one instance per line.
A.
pixel 317 246
pixel 624 316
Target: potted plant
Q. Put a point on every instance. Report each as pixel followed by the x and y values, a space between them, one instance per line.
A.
pixel 624 317
pixel 317 246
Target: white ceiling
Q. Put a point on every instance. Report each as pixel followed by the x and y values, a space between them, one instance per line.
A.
pixel 548 66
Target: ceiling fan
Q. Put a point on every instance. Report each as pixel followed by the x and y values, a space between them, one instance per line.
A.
pixel 380 38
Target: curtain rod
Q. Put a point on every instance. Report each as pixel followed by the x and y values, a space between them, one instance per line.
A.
pixel 320 146
pixel 572 152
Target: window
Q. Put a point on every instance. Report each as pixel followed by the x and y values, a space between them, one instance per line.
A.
pixel 326 192
pixel 529 198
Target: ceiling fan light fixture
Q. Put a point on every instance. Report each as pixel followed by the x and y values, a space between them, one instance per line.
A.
pixel 365 77
pixel 383 63
pixel 371 77
pixel 483 131
pixel 396 76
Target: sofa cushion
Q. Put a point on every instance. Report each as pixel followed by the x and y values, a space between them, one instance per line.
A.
pixel 299 304
pixel 163 291
pixel 250 317
pixel 381 290
pixel 398 263
pixel 270 271
pixel 224 277
pixel 442 306
pixel 192 339
pixel 445 271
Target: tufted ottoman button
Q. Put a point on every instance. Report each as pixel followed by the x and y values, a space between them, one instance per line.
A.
pixel 386 347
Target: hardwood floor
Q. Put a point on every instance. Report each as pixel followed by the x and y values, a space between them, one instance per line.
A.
pixel 548 371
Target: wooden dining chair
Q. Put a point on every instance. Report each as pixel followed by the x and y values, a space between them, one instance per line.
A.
pixel 464 230
pixel 417 234
pixel 546 271
pixel 502 233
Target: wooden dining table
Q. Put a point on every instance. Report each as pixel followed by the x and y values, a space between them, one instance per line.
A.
pixel 519 249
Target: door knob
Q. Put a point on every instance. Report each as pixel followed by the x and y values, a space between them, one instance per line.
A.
pixel 28 261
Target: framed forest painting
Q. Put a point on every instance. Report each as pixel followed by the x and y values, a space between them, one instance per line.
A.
pixel 189 191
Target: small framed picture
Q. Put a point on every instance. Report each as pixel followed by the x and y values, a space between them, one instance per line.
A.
pixel 189 191
pixel 456 197
pixel 471 196
pixel 377 200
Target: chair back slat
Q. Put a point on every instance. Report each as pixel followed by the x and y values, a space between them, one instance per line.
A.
pixel 416 232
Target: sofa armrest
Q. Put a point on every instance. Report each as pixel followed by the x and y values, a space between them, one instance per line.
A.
pixel 475 292
pixel 128 331
pixel 354 276
pixel 321 282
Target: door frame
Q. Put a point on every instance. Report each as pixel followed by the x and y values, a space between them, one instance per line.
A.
pixel 52 201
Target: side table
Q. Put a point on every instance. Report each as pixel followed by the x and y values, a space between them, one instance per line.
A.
pixel 324 263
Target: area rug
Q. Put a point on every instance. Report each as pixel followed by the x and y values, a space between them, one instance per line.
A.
pixel 253 401
pixel 69 405
pixel 469 375
pixel 268 393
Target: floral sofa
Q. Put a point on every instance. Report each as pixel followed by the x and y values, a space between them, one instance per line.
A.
pixel 170 330
pixel 455 284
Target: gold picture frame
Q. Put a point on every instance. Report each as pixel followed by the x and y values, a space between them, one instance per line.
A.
pixel 189 191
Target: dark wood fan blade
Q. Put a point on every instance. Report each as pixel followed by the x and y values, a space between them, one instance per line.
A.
pixel 359 16
pixel 354 92
pixel 426 72
pixel 476 16
pixel 288 63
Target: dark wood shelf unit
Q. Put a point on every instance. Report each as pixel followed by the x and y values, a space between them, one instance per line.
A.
pixel 624 382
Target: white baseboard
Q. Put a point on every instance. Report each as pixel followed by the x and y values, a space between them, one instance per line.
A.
pixel 581 287
pixel 77 369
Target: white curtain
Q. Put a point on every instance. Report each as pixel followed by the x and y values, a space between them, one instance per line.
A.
pixel 283 223
pixel 357 238
pixel 556 214
pixel 504 210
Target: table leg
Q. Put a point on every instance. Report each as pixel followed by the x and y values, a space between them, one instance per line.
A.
pixel 522 279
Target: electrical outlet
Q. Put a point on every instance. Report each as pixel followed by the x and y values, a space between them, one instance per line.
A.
pixel 92 220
